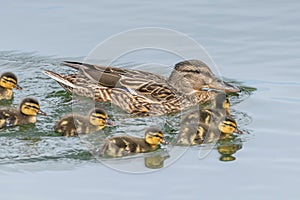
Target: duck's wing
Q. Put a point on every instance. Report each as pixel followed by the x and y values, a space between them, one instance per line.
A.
pixel 147 84
pixel 105 75
pixel 129 101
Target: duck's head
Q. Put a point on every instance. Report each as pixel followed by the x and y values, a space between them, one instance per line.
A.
pixel 9 80
pixel 196 75
pixel 31 107
pixel 154 136
pixel 98 117
pixel 228 125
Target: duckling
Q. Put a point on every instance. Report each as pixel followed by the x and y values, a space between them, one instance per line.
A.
pixel 8 81
pixel 26 114
pixel 119 146
pixel 218 108
pixel 195 132
pixel 73 125
pixel 143 93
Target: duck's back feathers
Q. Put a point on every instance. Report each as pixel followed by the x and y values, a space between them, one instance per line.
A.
pixel 142 83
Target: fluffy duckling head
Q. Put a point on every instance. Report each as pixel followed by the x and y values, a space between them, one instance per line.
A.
pixel 228 125
pixel 197 75
pixel 31 107
pixel 9 80
pixel 154 136
pixel 98 117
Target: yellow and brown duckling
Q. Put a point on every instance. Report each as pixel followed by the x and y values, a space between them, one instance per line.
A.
pixel 119 146
pixel 8 82
pixel 74 125
pixel 26 114
pixel 196 132
pixel 207 124
pixel 143 93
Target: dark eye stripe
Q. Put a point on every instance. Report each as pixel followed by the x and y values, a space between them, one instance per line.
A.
pixel 230 124
pixel 34 107
pixel 159 135
pixel 97 116
pixel 190 71
pixel 10 80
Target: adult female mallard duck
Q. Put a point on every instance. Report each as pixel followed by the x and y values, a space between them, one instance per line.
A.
pixel 26 114
pixel 73 125
pixel 119 146
pixel 144 93
pixel 8 81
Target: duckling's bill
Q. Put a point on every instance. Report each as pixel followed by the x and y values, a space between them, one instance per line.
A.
pixel 18 87
pixel 42 113
pixel 238 131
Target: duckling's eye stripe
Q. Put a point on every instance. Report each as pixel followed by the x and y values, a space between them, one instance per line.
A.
pixel 230 124
pixel 159 135
pixel 9 80
pixel 32 106
pixel 99 116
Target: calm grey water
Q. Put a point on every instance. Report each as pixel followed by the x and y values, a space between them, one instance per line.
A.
pixel 254 43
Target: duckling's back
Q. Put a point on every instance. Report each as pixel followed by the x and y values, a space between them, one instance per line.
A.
pixel 74 125
pixel 9 117
pixel 125 145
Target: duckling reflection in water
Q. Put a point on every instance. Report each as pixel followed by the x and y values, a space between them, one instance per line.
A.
pixel 156 161
pixel 119 146
pixel 227 149
pixel 8 81
pixel 26 114
pixel 73 125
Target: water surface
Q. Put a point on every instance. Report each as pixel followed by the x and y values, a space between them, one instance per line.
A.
pixel 254 43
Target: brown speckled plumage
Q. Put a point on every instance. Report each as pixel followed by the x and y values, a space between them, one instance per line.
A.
pixel 143 93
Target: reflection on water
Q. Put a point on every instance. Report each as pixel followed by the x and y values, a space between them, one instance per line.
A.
pixel 40 144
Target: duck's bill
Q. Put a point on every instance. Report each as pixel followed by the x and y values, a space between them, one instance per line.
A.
pixel 42 113
pixel 18 87
pixel 224 86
